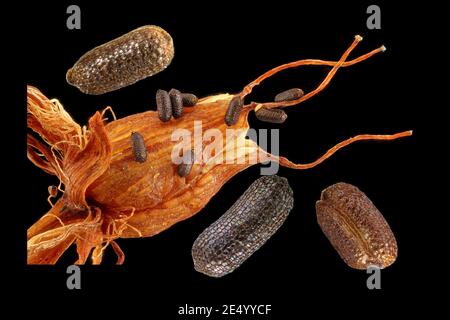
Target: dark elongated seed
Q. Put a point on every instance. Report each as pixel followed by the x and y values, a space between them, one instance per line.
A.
pixel 189 99
pixel 138 147
pixel 134 56
pixel 290 94
pixel 177 103
pixel 271 115
pixel 163 105
pixel 355 227
pixel 185 167
pixel 244 228
pixel 233 111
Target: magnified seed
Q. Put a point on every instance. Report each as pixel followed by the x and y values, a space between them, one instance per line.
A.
pixel 355 227
pixel 290 94
pixel 189 99
pixel 271 115
pixel 233 111
pixel 138 147
pixel 177 103
pixel 134 56
pixel 185 167
pixel 244 228
pixel 164 105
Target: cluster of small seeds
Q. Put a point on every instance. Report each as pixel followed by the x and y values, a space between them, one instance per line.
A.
pixel 171 103
pixel 278 115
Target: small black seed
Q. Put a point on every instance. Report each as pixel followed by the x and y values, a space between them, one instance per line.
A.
pixel 233 111
pixel 163 105
pixel 271 115
pixel 177 103
pixel 185 167
pixel 288 95
pixel 189 99
pixel 138 147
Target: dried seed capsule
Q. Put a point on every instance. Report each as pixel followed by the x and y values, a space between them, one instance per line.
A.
pixel 355 227
pixel 138 147
pixel 291 94
pixel 271 115
pixel 185 167
pixel 244 228
pixel 134 56
pixel 189 99
pixel 177 103
pixel 163 105
pixel 233 111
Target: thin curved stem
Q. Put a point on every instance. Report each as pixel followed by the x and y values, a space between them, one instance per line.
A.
pixel 287 163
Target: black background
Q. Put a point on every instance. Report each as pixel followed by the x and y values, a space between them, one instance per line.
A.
pixel 220 48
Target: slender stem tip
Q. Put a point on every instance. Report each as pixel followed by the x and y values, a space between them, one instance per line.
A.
pixel 383 48
pixel 358 37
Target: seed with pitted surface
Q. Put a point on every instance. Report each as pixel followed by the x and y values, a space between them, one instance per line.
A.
pixel 291 94
pixel 271 115
pixel 163 105
pixel 185 167
pixel 244 228
pixel 355 227
pixel 189 99
pixel 177 103
pixel 134 56
pixel 233 111
pixel 138 147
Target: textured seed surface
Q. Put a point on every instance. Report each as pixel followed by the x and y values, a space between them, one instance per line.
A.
pixel 164 105
pixel 355 227
pixel 290 94
pixel 189 99
pixel 138 147
pixel 185 167
pixel 271 115
pixel 233 111
pixel 177 103
pixel 244 228
pixel 134 56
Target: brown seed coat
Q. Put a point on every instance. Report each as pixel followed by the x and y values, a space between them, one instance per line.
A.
pixel 138 147
pixel 177 103
pixel 233 111
pixel 189 99
pixel 271 115
pixel 291 94
pixel 355 227
pixel 163 105
pixel 123 61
